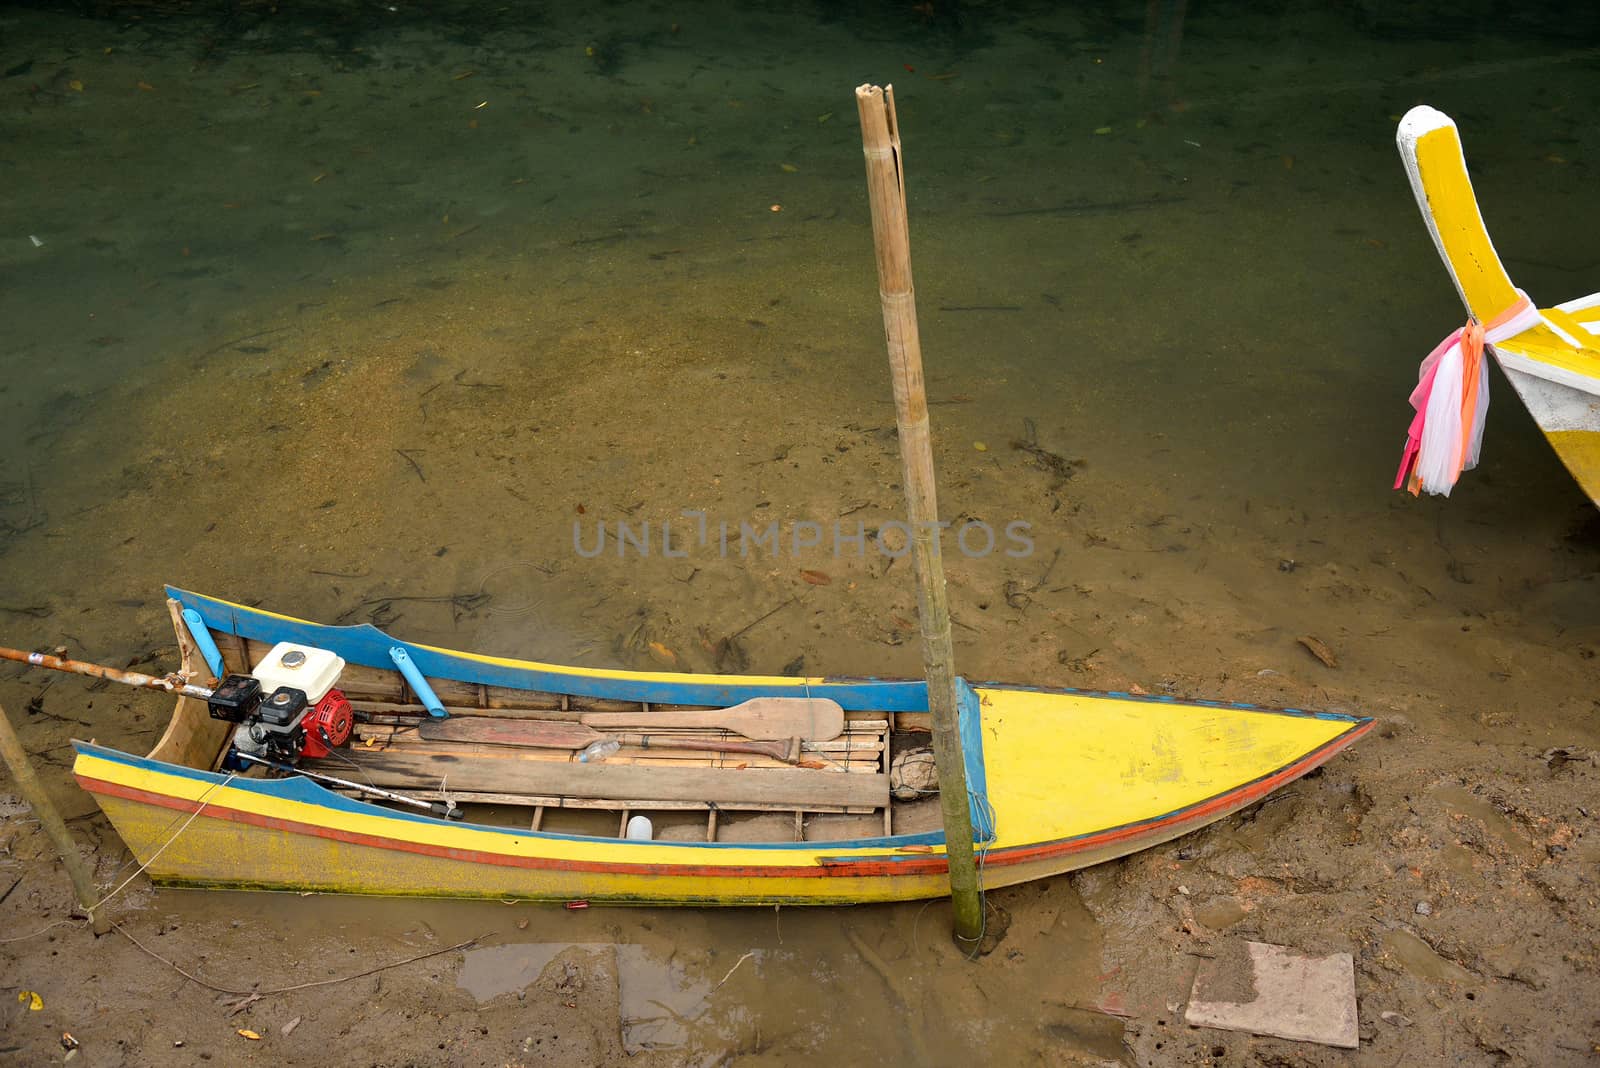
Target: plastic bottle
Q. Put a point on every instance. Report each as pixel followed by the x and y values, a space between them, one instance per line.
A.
pixel 597 751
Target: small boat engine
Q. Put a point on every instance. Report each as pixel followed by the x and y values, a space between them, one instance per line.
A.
pixel 288 707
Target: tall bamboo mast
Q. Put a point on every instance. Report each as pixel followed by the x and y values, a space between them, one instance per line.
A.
pixel 880 139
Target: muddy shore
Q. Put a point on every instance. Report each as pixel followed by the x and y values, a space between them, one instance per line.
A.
pixel 282 360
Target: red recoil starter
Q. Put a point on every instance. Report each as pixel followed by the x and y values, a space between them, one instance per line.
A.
pixel 328 724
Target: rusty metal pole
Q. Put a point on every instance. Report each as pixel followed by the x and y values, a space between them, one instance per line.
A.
pixel 880 139
pixel 177 684
pixel 21 768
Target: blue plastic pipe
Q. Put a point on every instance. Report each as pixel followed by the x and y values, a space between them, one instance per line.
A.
pixel 424 692
pixel 204 642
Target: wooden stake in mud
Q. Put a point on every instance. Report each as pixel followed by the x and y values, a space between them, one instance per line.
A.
pixel 32 791
pixel 880 138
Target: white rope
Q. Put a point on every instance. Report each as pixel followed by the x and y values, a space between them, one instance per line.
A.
pixel 192 817
pixel 137 872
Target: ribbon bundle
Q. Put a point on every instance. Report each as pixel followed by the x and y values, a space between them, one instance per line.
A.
pixel 1451 399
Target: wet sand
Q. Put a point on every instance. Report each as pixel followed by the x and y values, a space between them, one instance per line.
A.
pixel 301 333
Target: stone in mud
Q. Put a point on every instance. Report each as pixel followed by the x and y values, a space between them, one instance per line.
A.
pixel 1272 990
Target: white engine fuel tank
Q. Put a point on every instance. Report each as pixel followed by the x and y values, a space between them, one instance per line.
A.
pixel 313 670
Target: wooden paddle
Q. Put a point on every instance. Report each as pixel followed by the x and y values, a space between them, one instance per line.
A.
pixel 811 719
pixel 545 734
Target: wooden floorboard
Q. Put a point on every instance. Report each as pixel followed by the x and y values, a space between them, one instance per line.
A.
pixel 511 773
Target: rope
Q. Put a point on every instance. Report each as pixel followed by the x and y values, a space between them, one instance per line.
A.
pixel 91 910
pixel 42 930
pixel 192 817
pixel 298 986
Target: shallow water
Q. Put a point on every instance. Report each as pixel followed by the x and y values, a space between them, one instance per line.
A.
pixel 356 312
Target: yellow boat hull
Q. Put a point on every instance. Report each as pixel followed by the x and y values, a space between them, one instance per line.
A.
pixel 1066 779
pixel 1063 779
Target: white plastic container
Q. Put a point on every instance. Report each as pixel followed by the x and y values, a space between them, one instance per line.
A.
pixel 313 670
pixel 640 829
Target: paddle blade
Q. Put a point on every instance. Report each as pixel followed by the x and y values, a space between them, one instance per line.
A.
pixel 770 719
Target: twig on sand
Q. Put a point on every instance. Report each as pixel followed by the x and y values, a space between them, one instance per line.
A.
pixel 406 456
pixel 766 616
pixel 254 994
pixel 733 969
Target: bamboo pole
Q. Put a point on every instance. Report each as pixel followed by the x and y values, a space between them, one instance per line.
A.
pixel 16 759
pixel 880 139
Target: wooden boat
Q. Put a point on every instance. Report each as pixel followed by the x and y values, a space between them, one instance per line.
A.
pixel 1550 356
pixel 1060 779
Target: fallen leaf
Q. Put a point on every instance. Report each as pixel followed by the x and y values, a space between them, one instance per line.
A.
pixel 662 655
pixel 288 1028
pixel 1319 650
pixel 32 1000
pixel 1138 691
pixel 817 578
pixel 1102 131
pixel 789 168
pixel 75 85
pixel 245 1032
pixel 980 446
pixel 1288 163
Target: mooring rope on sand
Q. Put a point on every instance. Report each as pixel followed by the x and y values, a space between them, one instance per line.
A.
pixel 137 872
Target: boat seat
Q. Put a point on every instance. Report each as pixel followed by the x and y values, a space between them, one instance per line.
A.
pixel 1559 344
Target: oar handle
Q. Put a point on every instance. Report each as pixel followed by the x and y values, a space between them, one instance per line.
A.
pixel 170 683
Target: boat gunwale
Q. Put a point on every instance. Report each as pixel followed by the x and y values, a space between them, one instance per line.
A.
pixel 856 693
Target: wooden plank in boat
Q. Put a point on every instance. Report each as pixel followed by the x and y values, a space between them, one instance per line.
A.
pixel 395 710
pixel 849 746
pixel 859 764
pixel 512 774
pixel 606 804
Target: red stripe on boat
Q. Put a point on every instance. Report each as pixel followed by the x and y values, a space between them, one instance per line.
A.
pixel 901 864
